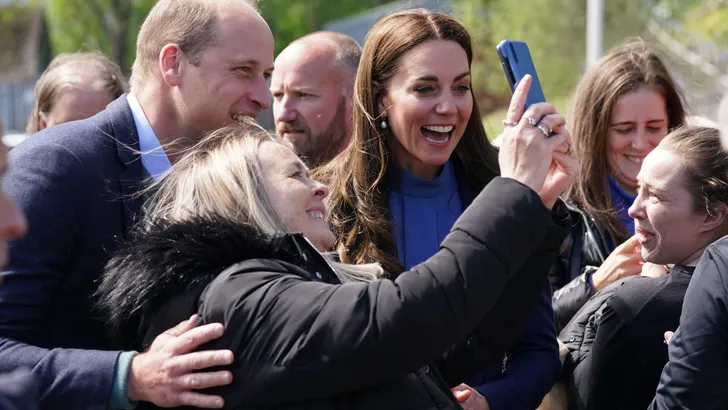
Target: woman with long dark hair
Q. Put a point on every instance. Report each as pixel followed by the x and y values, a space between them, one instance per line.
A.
pixel 418 156
pixel 622 108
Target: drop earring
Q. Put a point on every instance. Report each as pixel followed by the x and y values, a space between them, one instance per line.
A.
pixel 383 124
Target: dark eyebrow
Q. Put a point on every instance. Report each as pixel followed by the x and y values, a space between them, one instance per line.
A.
pixel 435 79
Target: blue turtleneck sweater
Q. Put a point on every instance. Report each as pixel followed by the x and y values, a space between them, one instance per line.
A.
pixel 423 212
pixel 621 200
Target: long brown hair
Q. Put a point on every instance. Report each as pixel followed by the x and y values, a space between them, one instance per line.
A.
pixel 627 68
pixel 358 210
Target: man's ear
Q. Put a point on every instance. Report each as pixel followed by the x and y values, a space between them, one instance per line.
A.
pixel 170 62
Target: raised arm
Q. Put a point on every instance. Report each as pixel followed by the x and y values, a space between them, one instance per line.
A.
pixel 291 334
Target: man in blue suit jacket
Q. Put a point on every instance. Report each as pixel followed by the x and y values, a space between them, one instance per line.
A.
pixel 17 389
pixel 200 64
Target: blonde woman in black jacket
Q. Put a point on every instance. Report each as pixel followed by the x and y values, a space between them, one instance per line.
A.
pixel 236 235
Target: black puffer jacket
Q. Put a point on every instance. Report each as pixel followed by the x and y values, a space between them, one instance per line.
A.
pixel 586 248
pixel 303 340
pixel 579 334
pixel 616 349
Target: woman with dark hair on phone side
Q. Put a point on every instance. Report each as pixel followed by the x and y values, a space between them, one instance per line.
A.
pixel 418 155
pixel 616 340
pixel 73 87
pixel 236 233
pixel 622 108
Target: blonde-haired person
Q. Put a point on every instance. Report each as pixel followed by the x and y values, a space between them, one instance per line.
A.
pixel 200 65
pixel 236 234
pixel 74 86
pixel 622 108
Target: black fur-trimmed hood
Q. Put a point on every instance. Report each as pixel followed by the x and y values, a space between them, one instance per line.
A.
pixel 167 259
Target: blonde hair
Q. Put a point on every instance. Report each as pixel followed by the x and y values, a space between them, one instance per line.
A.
pixel 222 176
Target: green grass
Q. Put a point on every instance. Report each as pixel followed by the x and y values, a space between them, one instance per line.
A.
pixel 494 127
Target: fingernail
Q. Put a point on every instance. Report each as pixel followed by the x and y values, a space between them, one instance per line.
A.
pixel 227 357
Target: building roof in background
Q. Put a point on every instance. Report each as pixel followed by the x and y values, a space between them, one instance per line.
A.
pixel 20 29
pixel 358 25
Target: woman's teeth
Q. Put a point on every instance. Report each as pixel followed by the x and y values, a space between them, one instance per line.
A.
pixel 316 215
pixel 637 160
pixel 437 133
pixel 439 128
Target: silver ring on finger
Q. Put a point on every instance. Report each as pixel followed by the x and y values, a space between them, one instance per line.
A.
pixel 545 130
pixel 532 121
pixel 508 123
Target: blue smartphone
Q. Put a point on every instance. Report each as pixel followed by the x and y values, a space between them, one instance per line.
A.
pixel 517 62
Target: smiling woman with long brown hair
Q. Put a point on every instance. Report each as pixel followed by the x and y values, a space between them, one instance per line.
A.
pixel 622 108
pixel 418 155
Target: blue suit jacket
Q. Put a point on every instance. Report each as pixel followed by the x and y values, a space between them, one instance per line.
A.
pixel 76 184
pixel 18 391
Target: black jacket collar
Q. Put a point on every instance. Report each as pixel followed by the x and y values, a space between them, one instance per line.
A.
pixel 168 259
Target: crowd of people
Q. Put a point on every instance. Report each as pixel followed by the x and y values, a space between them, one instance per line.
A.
pixel 376 251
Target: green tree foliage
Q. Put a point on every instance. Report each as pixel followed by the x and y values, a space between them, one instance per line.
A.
pixel 291 19
pixel 678 8
pixel 709 20
pixel 555 31
pixel 109 26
